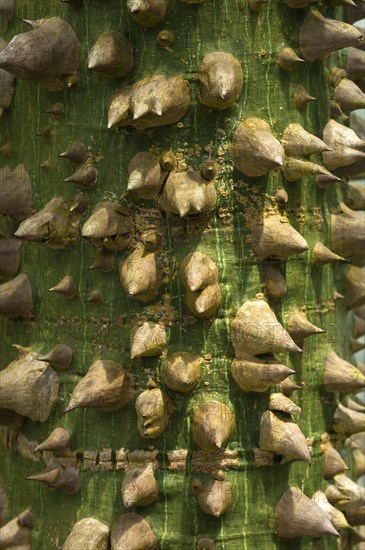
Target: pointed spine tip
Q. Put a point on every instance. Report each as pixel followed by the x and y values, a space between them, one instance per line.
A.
pixel 296 349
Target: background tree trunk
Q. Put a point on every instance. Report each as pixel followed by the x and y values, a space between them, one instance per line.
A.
pixel 103 331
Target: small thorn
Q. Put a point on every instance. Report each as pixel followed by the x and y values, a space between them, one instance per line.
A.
pixel 46 133
pixel 57 110
pixel 49 476
pixel 77 153
pixel 302 97
pixel 86 176
pixel 58 440
pixel 22 349
pixel 32 23
pixel 287 58
pixel 79 203
pixel 60 356
pixel 66 286
pixel 95 297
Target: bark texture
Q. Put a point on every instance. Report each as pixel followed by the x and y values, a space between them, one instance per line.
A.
pixel 100 328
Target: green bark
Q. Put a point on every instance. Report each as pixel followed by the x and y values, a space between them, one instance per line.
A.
pixel 103 331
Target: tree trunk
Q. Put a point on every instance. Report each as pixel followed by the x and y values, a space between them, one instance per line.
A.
pixel 99 326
